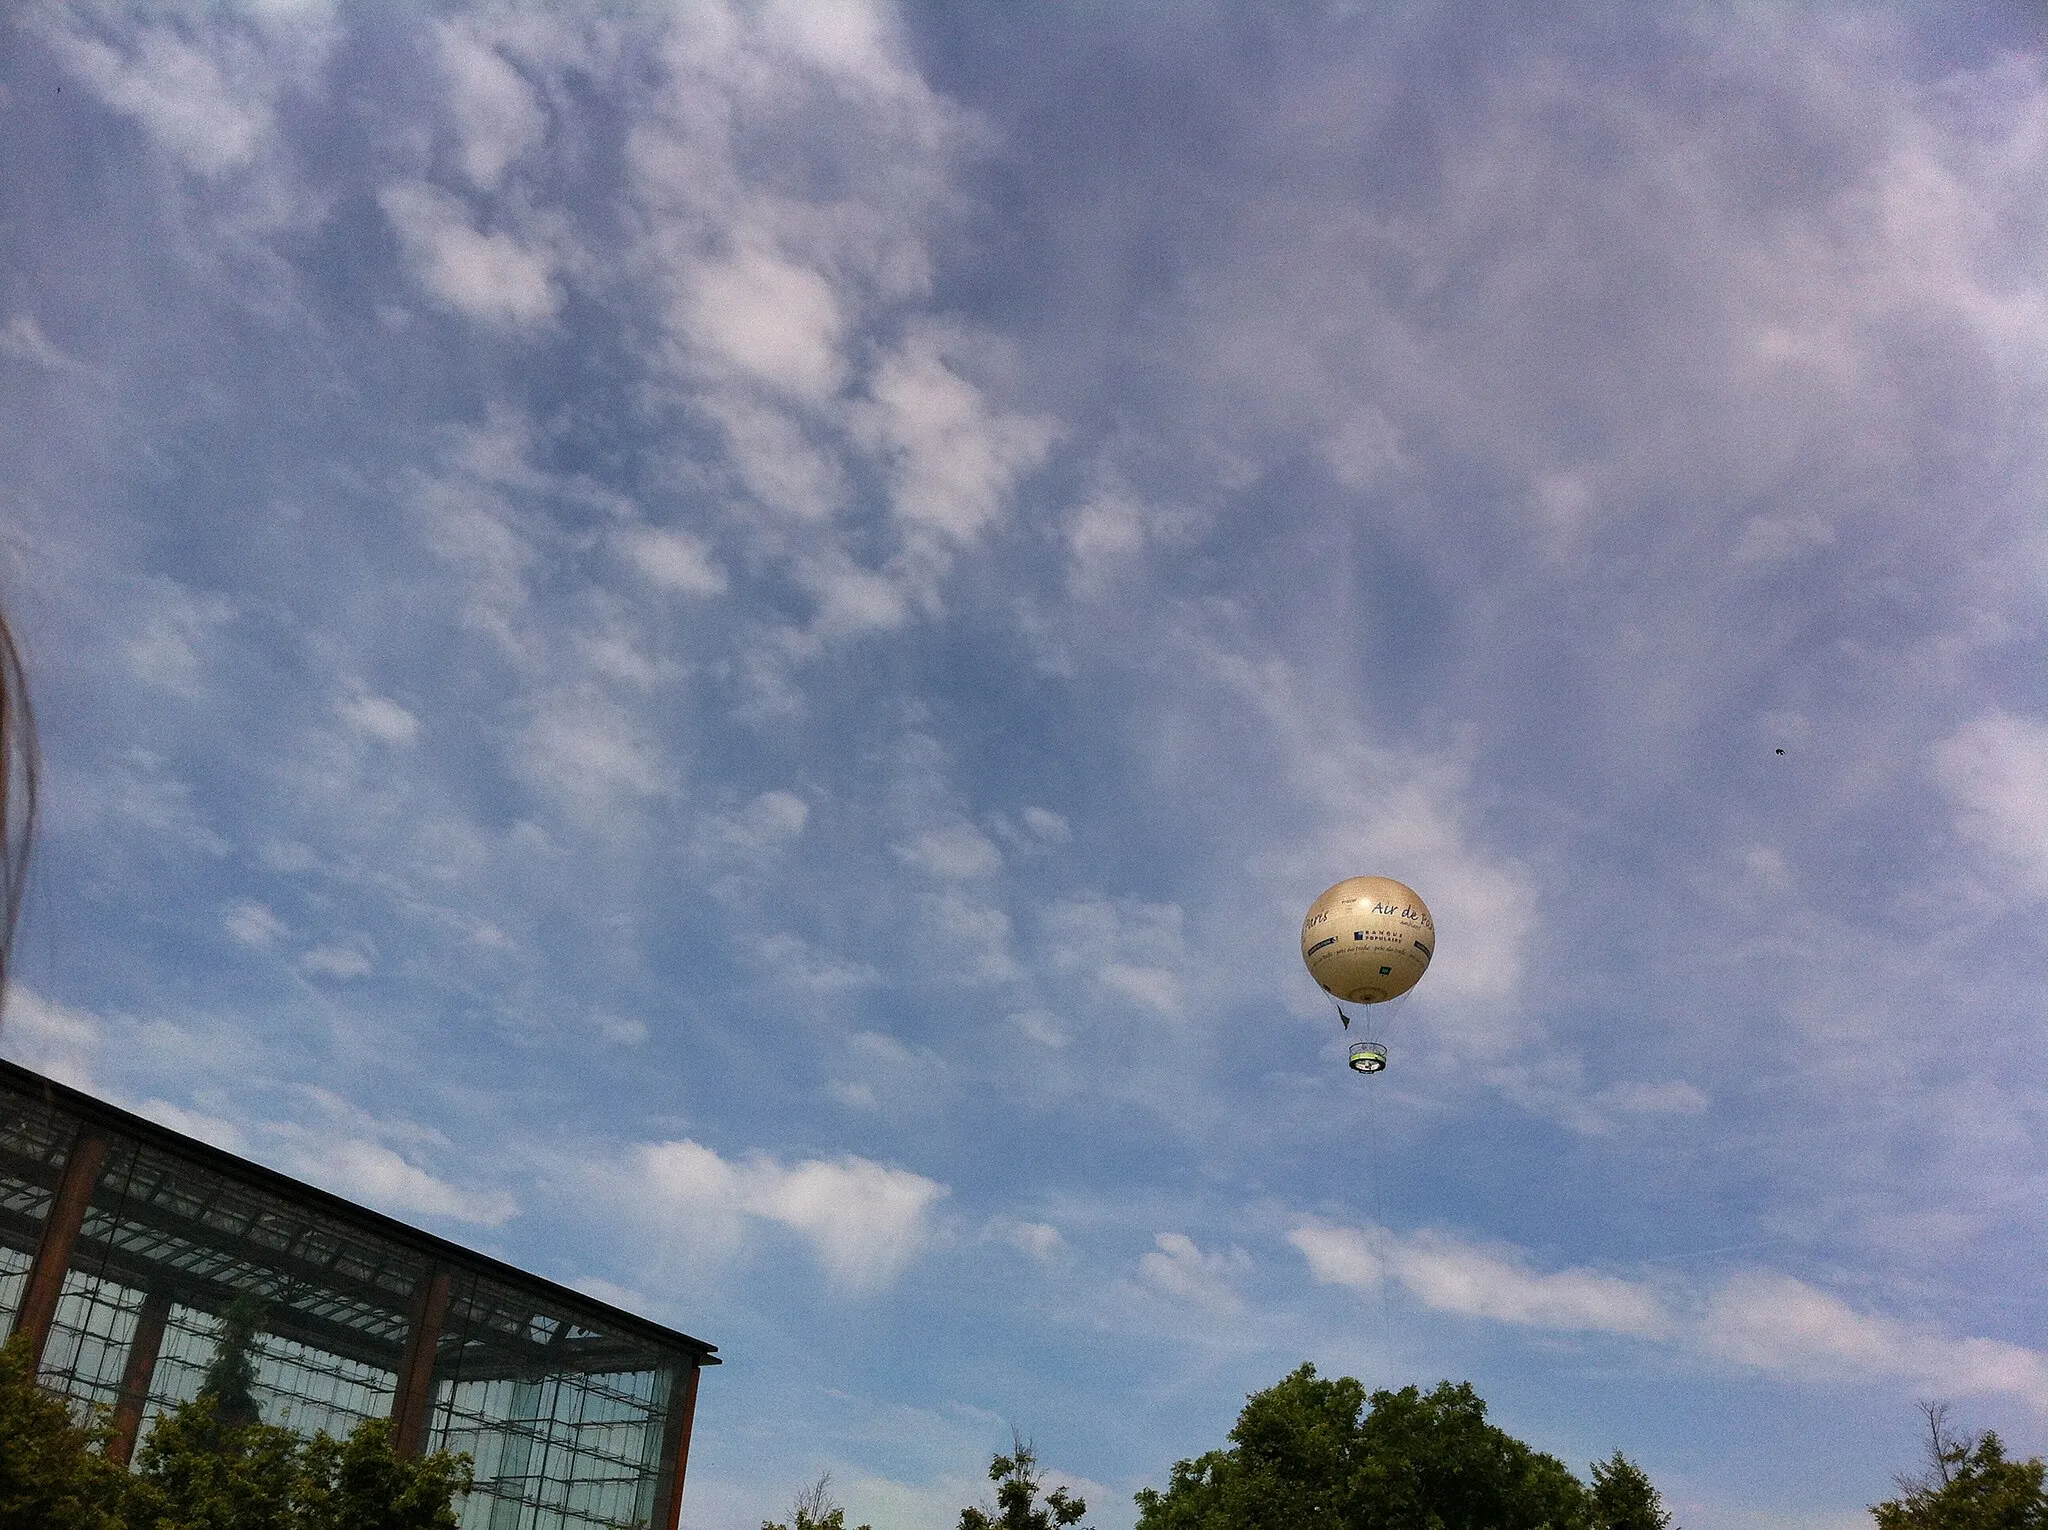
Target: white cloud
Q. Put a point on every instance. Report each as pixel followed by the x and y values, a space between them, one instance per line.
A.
pixel 775 815
pixel 252 923
pixel 672 560
pixel 864 1221
pixel 851 40
pixel 1770 540
pixel 204 98
pixel 776 459
pixel 342 1153
pixel 854 1096
pixel 770 319
pixel 49 1037
pixel 1776 1323
pixel 1086 931
pixel 1672 1097
pixel 952 852
pixel 336 961
pixel 24 340
pixel 608 650
pixel 1995 771
pixel 974 937
pixel 879 1072
pixel 1041 1240
pixel 492 277
pixel 380 1177
pixel 955 458
pixel 799 964
pixel 1484 906
pixel 589 752
pixel 621 1031
pixel 1178 1268
pixel 778 297
pixel 757 834
pixel 378 717
pixel 1364 451
pixel 1404 813
pixel 1555 1086
pixel 1151 988
pixel 616 1295
pixel 1041 1027
pixel 469 526
pixel 1564 502
pixel 1757 1319
pixel 1490 1281
pixel 1047 826
pixel 497 116
pixel 138 790
pixel 178 631
pixel 1476 1282
pixel 1105 534
pixel 197 1124
pixel 852 599
pixel 1133 951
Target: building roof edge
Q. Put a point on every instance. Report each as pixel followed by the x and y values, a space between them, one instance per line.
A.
pixel 113 1117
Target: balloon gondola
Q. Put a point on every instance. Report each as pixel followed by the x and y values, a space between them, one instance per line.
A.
pixel 1368 1056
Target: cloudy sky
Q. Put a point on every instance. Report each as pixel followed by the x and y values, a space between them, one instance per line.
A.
pixel 715 648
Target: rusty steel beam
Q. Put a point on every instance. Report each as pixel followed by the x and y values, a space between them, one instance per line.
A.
pixel 60 1231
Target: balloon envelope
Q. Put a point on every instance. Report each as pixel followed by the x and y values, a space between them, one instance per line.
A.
pixel 1368 940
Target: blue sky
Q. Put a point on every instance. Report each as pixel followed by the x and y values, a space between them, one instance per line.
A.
pixel 715 648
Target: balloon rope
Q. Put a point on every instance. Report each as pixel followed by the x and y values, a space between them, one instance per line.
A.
pixel 1379 1216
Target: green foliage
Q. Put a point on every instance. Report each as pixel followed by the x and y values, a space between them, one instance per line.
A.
pixel 50 1477
pixel 814 1510
pixel 1017 1505
pixel 1968 1485
pixel 1434 1461
pixel 1316 1454
pixel 198 1471
pixel 833 1519
pixel 1295 1451
pixel 363 1483
pixel 1624 1498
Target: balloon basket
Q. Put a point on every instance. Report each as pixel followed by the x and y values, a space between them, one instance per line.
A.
pixel 1368 1056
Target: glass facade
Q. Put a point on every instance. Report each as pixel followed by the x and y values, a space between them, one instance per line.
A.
pixel 565 1421
pixel 33 1141
pixel 122 1244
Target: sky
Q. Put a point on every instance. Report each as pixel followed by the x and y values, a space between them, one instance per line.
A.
pixel 715 648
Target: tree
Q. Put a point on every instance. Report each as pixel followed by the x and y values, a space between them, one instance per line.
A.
pixel 231 1379
pixel 1967 1485
pixel 197 1471
pixel 213 1464
pixel 1624 1498
pixel 363 1483
pixel 1318 1454
pixel 814 1509
pixel 50 1476
pixel 1294 1454
pixel 1432 1460
pixel 1017 1506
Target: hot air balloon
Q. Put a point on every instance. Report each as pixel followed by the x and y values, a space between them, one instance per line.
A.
pixel 1367 941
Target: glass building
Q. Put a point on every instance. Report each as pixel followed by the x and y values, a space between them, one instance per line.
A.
pixel 122 1244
